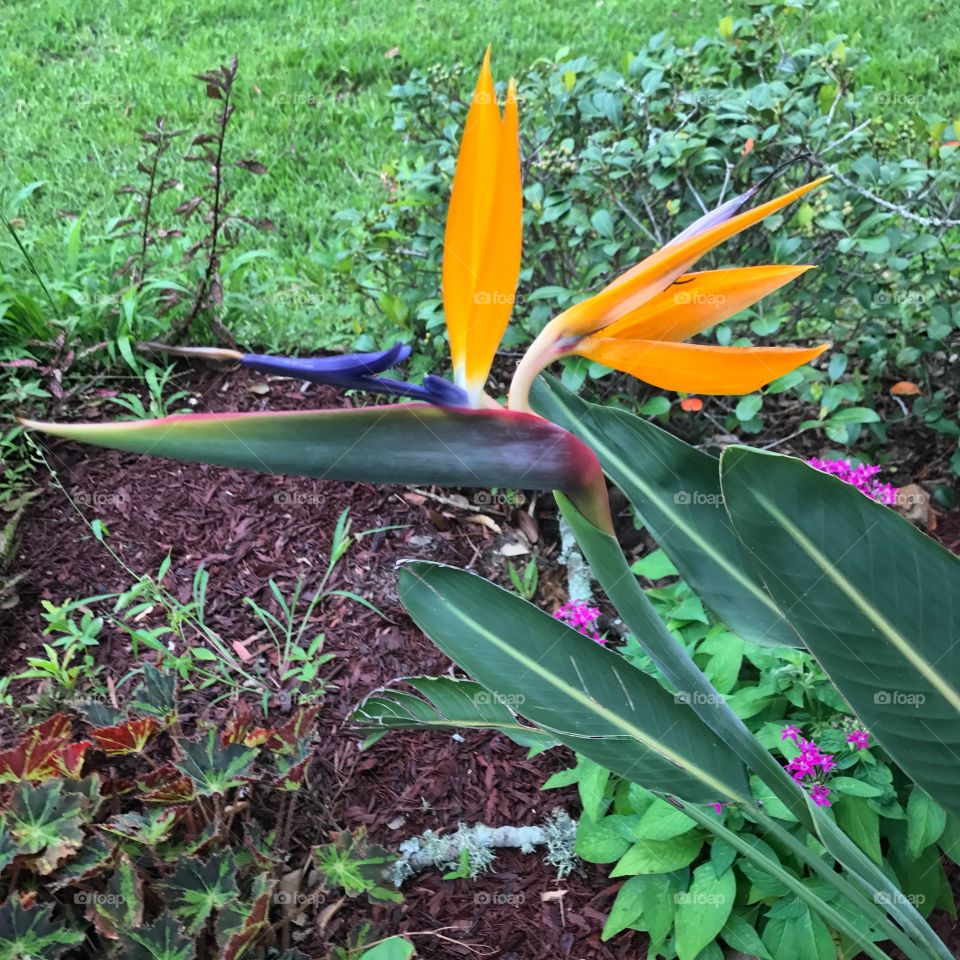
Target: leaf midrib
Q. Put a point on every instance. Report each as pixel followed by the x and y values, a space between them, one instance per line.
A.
pixel 899 642
pixel 584 700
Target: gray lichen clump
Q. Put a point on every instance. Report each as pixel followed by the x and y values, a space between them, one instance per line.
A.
pixel 557 834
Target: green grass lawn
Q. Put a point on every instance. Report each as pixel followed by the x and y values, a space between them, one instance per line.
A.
pixel 80 78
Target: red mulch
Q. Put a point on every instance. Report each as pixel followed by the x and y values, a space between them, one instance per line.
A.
pixel 245 528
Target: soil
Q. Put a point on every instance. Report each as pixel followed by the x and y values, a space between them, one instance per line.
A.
pixel 247 528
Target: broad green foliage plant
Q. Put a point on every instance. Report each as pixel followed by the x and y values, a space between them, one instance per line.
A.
pixel 785 554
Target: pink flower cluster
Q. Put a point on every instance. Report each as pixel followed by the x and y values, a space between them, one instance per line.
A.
pixel 862 477
pixel 805 767
pixel 858 739
pixel 582 618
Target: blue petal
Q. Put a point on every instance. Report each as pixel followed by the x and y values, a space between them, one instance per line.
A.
pixel 724 212
pixel 357 371
pixel 434 390
pixel 338 370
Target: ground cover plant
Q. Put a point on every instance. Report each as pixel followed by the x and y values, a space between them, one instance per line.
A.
pixel 729 266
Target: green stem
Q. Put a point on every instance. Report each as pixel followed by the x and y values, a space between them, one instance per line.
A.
pixel 847 889
pixel 794 884
pixel 610 567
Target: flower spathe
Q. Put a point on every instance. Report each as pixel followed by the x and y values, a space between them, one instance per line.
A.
pixel 482 238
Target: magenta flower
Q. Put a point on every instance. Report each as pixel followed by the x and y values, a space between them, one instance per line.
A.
pixel 858 739
pixel 810 769
pixel 581 617
pixel 863 477
pixel 819 794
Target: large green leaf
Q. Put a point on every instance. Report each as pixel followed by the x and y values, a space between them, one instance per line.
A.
pixel 404 443
pixel 444 703
pixel 875 600
pixel 32 933
pixel 589 698
pixel 164 940
pixel 608 564
pixel 676 490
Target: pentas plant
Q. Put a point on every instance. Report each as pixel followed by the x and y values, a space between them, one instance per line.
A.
pixel 582 617
pixel 863 476
pixel 810 767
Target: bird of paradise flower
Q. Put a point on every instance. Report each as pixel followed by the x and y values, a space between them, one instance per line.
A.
pixel 458 434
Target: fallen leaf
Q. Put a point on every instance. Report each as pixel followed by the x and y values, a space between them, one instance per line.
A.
pixel 913 502
pixel 241 651
pixel 392 52
pixel 514 550
pixel 483 521
pixel 905 388
pixel 529 526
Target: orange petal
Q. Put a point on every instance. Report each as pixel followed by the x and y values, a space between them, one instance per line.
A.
pixel 641 282
pixel 496 282
pixel 468 215
pixel 691 404
pixel 694 367
pixel 699 300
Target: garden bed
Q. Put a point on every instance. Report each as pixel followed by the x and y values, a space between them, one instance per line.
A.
pixel 245 528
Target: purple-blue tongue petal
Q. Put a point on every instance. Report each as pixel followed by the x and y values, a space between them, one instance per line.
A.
pixel 724 212
pixel 334 370
pixel 358 371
